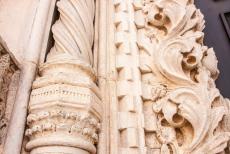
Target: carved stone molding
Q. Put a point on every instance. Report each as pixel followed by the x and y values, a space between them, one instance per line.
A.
pixel 184 111
pixel 156 76
pixel 129 103
pixel 65 104
pixel 9 78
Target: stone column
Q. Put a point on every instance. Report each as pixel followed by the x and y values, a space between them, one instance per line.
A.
pixel 28 66
pixel 65 108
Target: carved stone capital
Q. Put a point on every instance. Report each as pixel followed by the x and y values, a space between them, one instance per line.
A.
pixel 65 109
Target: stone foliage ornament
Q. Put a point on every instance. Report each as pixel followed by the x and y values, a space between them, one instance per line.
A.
pixel 178 73
pixel 65 104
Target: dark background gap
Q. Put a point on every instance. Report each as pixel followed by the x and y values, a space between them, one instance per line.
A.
pixel 217 37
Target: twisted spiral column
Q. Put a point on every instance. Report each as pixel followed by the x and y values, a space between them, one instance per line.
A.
pixel 65 105
pixel 74 31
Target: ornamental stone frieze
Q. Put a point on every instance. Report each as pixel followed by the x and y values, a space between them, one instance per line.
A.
pixel 183 111
pixel 110 77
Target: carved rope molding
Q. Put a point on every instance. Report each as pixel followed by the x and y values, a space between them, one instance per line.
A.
pixel 65 104
pixel 184 111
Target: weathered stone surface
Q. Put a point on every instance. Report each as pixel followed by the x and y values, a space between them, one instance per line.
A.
pixel 9 78
pixel 178 74
pixel 122 76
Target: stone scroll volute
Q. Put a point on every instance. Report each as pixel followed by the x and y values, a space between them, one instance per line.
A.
pixel 188 113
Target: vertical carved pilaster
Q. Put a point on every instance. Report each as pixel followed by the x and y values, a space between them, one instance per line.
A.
pixel 130 114
pixel 184 111
pixel 65 107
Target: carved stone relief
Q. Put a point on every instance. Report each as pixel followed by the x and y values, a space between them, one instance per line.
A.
pixel 9 78
pixel 129 103
pixel 184 111
pixel 164 92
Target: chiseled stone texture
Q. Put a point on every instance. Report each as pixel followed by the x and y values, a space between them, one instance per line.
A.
pixel 161 100
pixel 9 79
pixel 183 108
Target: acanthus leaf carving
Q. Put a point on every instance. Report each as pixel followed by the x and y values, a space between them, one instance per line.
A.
pixel 191 112
pixel 177 60
pixel 181 111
